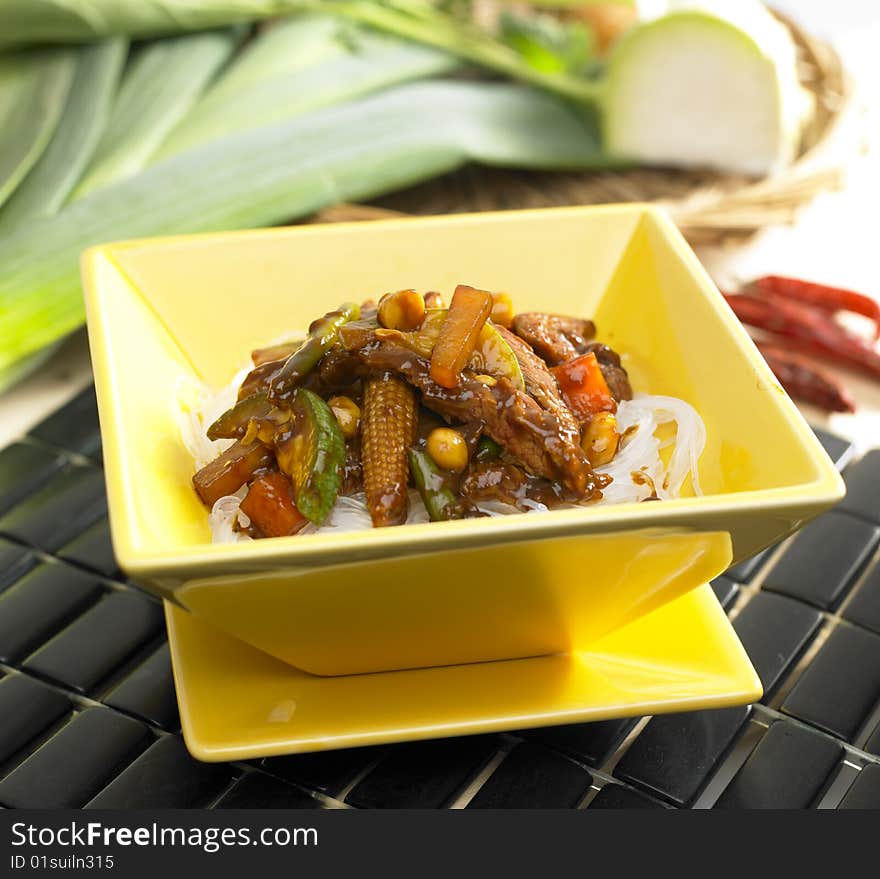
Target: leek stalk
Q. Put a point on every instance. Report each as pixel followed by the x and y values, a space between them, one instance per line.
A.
pixel 23 21
pixel 161 84
pixel 50 181
pixel 279 172
pixel 33 88
pixel 373 62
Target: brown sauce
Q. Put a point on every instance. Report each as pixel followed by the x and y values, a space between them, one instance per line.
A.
pixel 639 477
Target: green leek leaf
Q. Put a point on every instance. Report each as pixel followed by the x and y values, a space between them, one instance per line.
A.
pixel 278 50
pixel 39 21
pixel 71 21
pixel 373 62
pixel 282 171
pixel 33 88
pixel 50 181
pixel 423 21
pixel 161 84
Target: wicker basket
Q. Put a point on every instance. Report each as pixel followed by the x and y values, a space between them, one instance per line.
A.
pixel 710 208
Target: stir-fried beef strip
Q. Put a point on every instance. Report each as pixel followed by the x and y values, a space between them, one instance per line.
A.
pixel 540 382
pixel 512 418
pixel 555 338
pixel 336 370
pixel 506 482
pixel 614 374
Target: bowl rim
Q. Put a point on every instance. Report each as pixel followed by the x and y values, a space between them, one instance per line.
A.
pixel 418 539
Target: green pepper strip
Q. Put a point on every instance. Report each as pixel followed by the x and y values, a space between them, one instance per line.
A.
pixel 440 501
pixel 233 423
pixel 323 334
pixel 312 453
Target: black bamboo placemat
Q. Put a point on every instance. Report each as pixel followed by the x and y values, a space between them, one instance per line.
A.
pixel 88 716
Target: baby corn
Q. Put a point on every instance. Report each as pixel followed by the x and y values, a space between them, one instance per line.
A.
pixel 388 428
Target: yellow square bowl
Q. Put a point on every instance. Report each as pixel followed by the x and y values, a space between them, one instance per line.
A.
pixel 165 312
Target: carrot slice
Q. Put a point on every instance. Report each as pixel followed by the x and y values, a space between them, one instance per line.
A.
pixel 270 507
pixel 468 311
pixel 584 387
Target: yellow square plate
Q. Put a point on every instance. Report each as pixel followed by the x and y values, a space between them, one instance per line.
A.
pixel 238 703
pixel 164 313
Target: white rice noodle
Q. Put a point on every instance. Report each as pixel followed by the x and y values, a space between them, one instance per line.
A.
pixel 639 454
pixel 198 408
pixel 223 517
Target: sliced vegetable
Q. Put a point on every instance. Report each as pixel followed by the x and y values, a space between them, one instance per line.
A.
pixel 266 427
pixel 233 423
pixel 311 450
pixel 270 507
pixel 228 472
pixel 433 485
pixel 584 387
pixel 732 66
pixel 34 84
pixel 388 429
pixel 468 312
pixel 421 341
pixel 448 449
pixel 821 296
pixel 493 356
pixel 403 310
pixel 601 438
pixel 323 333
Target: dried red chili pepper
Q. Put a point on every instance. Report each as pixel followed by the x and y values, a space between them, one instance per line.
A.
pixel 809 328
pixel 804 381
pixel 821 296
